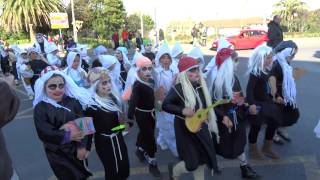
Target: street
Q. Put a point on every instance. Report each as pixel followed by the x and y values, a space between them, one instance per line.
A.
pixel 300 159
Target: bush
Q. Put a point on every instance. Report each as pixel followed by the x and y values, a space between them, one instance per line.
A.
pixel 92 42
pixel 301 34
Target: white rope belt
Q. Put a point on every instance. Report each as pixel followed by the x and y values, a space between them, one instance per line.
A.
pixel 111 136
pixel 147 111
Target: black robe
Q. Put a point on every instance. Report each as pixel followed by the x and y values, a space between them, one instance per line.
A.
pixel 231 144
pixel 141 106
pixel 62 157
pixel 194 149
pixel 37 66
pixel 259 93
pixel 290 113
pixel 111 158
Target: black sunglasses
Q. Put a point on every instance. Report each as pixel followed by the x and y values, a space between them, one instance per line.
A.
pixel 103 83
pixel 147 68
pixel 194 69
pixel 55 86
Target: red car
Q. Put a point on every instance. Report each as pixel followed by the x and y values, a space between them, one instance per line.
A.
pixel 246 39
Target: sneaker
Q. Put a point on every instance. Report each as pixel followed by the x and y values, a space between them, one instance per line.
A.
pixel 248 173
pixel 277 140
pixel 154 170
pixel 30 97
pixel 284 135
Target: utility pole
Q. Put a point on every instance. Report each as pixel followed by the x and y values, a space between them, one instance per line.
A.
pixel 141 24
pixel 75 36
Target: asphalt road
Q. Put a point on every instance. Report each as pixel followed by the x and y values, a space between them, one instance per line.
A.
pixel 300 159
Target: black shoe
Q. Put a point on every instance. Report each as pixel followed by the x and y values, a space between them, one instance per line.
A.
pixel 286 138
pixel 154 170
pixel 248 173
pixel 140 155
pixel 170 170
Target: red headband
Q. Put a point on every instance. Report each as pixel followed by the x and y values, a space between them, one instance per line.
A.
pixel 222 55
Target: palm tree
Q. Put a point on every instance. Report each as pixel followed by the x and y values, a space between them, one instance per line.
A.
pixel 288 10
pixel 20 15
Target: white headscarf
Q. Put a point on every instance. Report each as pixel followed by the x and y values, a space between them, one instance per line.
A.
pixel 46 45
pixel 224 80
pixel 164 49
pixel 106 104
pixel 176 50
pixel 288 86
pixel 256 61
pixel 212 68
pixel 52 58
pixel 71 90
pixel 197 54
pixel 107 61
pixel 100 50
pixel 75 74
pixel 124 51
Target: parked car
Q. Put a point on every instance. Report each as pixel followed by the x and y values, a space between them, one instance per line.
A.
pixel 246 39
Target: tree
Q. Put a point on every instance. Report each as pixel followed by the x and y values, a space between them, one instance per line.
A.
pixel 134 23
pixel 290 10
pixel 108 16
pixel 22 14
pixel 82 12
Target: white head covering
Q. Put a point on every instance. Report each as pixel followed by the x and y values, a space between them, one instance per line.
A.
pixel 75 74
pixel 176 50
pixel 164 49
pixel 256 61
pixel 107 61
pixel 100 50
pixel 197 54
pixel 106 104
pixel 288 86
pixel 45 43
pixel 71 90
pixel 124 52
pixel 52 58
pixel 211 69
pixel 32 49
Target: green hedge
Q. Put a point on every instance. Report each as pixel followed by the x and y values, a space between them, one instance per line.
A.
pixel 301 34
pixel 95 42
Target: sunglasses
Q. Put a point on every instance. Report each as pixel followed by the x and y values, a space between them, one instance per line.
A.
pixel 195 69
pixel 103 83
pixel 55 86
pixel 147 68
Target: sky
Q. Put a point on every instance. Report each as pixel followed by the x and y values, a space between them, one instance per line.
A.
pixel 169 10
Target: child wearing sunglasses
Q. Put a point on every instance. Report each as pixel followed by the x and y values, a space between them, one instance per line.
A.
pixel 141 108
pixel 58 102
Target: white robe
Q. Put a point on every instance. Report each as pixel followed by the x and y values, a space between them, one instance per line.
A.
pixel 165 121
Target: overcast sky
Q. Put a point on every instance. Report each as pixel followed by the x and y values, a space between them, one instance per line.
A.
pixel 168 10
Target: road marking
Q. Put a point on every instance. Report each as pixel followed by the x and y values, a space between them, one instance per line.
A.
pixel 24 117
pixel 24 111
pixel 311 166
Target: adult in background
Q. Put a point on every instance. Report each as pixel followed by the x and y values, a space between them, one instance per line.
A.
pixel 275 33
pixel 115 39
pixel 9 105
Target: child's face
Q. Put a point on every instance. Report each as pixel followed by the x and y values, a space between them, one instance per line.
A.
pixel 194 75
pixel 148 47
pixel 145 73
pixel 104 88
pixel 165 61
pixel 119 55
pixel 76 62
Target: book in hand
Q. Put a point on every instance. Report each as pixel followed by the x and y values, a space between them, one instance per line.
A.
pixel 84 123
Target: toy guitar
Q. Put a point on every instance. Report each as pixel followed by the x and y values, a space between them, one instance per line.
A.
pixel 194 123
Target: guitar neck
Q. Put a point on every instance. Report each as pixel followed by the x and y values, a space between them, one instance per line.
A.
pixel 217 103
